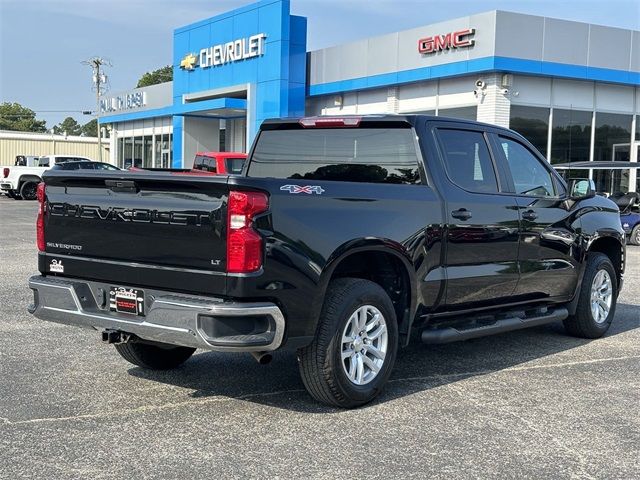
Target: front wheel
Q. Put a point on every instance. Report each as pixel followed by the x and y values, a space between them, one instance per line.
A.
pixel 634 238
pixel 154 357
pixel 597 301
pixel 353 352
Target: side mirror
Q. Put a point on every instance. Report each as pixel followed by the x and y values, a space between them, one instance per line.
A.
pixel 580 189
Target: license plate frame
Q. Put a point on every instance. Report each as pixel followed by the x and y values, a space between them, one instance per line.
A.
pixel 125 300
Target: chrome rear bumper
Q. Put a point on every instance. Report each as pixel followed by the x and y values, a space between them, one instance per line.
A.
pixel 177 319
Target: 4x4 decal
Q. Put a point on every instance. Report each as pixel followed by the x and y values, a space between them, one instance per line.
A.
pixel 309 189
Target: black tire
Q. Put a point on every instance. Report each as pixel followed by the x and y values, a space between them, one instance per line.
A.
pixel 634 238
pixel 13 194
pixel 320 363
pixel 154 357
pixel 28 190
pixel 583 324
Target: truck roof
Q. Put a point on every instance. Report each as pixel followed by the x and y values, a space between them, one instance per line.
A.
pixel 377 118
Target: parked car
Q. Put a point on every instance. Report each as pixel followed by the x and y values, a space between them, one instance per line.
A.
pixel 220 163
pixel 85 165
pixel 628 202
pixel 344 236
pixel 20 182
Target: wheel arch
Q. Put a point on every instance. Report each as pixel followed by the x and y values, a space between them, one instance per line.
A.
pixel 28 178
pixel 613 247
pixel 381 261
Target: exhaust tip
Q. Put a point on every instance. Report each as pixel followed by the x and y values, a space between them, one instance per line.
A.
pixel 262 358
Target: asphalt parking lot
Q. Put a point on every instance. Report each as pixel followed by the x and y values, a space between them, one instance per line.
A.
pixel 528 404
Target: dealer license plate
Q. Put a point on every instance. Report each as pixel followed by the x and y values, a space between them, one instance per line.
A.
pixel 126 300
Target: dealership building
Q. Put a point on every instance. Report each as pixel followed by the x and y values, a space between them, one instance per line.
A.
pixel 571 88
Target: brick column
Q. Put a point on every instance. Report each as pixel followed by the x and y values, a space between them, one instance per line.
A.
pixel 393 103
pixel 494 105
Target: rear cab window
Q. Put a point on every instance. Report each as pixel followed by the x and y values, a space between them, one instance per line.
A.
pixel 467 160
pixel 209 165
pixel 234 165
pixel 352 154
pixel 198 163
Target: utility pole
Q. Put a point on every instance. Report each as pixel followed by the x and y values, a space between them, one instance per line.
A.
pixel 100 86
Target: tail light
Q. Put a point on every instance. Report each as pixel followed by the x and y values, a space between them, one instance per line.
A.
pixel 40 195
pixel 329 122
pixel 244 244
pixel 5 172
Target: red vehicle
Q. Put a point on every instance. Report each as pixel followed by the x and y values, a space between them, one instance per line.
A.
pixel 220 163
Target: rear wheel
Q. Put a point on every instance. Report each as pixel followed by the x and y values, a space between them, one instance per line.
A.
pixel 597 302
pixel 355 346
pixel 28 190
pixel 634 238
pixel 154 357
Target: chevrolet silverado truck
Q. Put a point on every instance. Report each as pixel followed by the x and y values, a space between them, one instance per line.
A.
pixel 341 238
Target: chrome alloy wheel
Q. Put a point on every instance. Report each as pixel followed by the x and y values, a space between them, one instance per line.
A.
pixel 601 296
pixel 364 344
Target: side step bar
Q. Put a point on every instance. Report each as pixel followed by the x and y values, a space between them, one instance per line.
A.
pixel 453 334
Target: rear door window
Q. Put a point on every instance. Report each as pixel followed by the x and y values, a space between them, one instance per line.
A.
pixel 467 160
pixel 374 155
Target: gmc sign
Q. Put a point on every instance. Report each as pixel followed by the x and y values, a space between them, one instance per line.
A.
pixel 438 43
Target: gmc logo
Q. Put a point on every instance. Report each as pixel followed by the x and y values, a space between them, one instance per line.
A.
pixel 438 43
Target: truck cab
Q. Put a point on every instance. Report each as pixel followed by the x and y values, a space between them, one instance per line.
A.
pixel 219 163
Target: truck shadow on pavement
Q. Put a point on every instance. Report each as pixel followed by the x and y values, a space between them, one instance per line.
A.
pixel 418 367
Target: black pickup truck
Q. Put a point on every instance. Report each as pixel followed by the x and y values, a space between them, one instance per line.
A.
pixel 341 238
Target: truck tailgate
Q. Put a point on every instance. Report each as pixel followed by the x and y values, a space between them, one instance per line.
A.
pixel 164 224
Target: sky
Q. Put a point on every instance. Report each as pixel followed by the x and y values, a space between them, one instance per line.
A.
pixel 43 42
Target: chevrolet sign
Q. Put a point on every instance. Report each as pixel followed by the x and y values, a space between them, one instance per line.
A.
pixel 217 55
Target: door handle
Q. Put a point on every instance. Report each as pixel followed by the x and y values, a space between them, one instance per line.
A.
pixel 461 214
pixel 529 215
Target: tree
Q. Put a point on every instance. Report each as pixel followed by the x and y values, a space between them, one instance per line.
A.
pixel 90 129
pixel 161 75
pixel 68 126
pixel 14 116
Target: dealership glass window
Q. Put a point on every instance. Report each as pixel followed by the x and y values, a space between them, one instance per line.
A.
pixel 464 113
pixel 163 150
pixel 532 123
pixel 570 136
pixel 128 153
pixel 612 142
pixel 147 152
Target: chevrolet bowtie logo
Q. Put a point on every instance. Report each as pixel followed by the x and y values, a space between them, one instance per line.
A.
pixel 189 62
